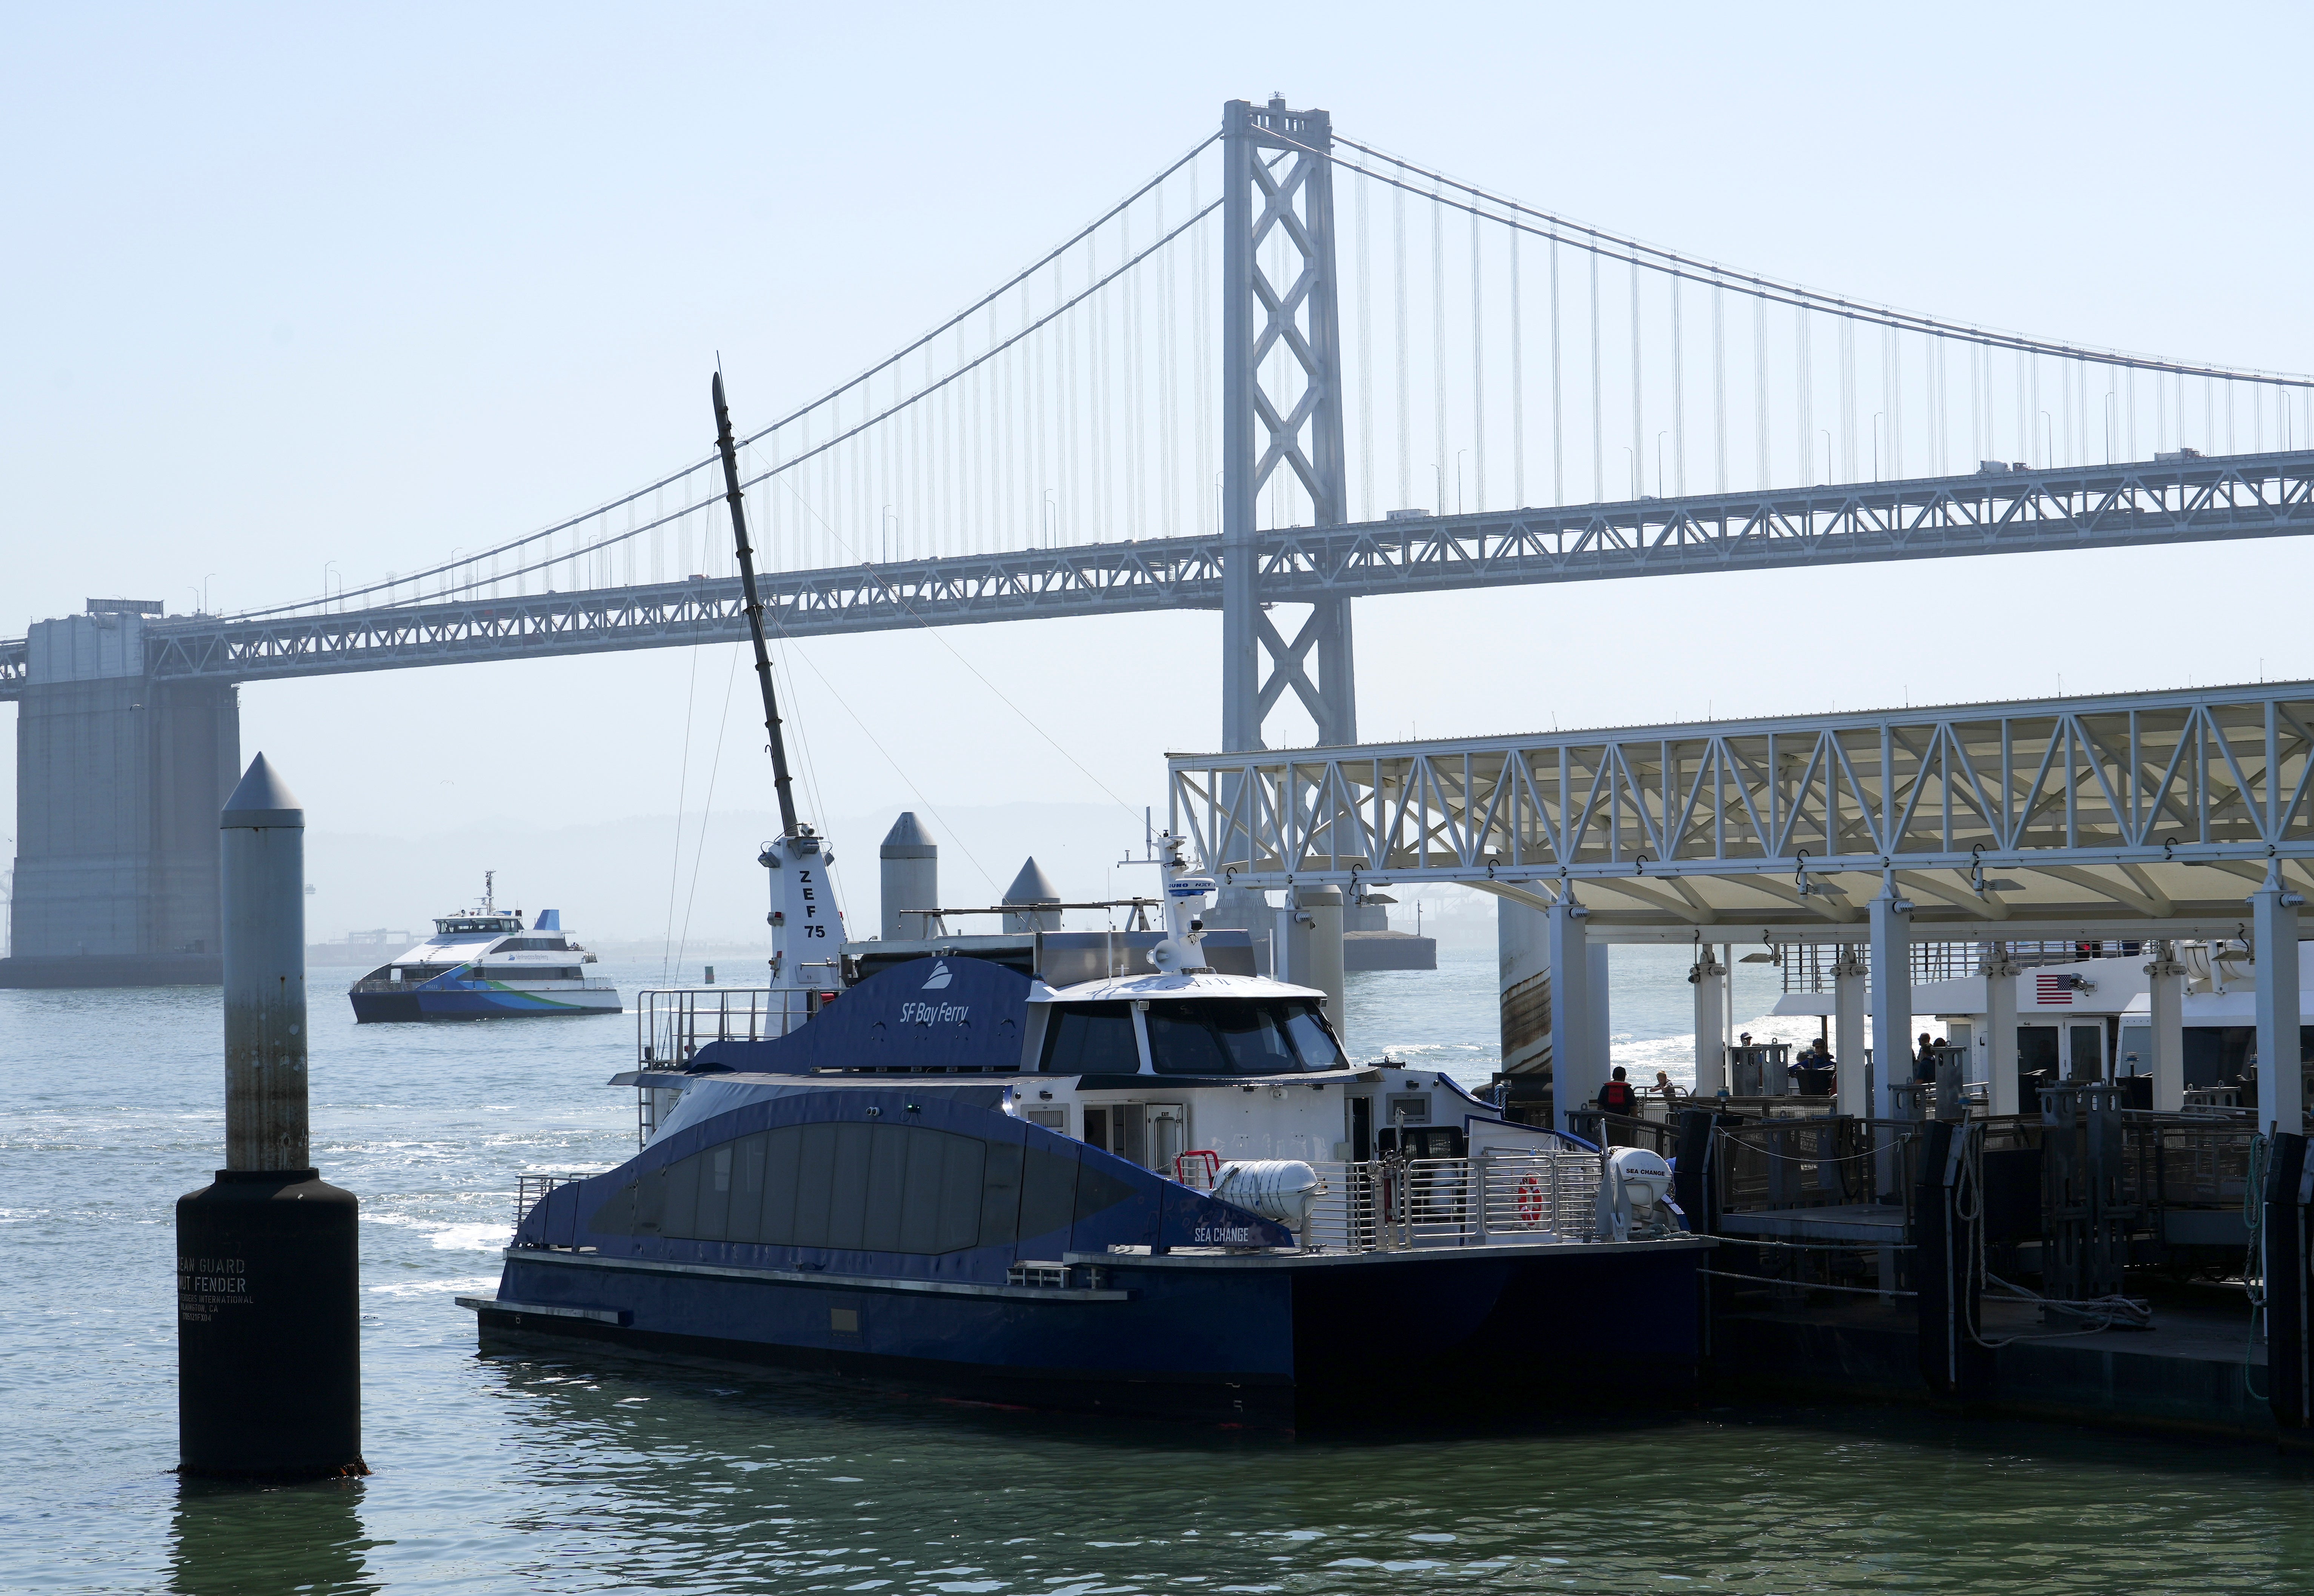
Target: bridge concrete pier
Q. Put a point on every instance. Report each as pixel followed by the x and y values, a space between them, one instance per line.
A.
pixel 119 779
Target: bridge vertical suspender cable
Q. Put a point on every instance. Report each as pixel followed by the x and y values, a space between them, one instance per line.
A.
pixel 1558 407
pixel 1718 389
pixel 1363 355
pixel 1477 375
pixel 1598 403
pixel 1759 418
pixel 1400 368
pixel 1438 458
pixel 1678 403
pixel 1639 393
pixel 1518 384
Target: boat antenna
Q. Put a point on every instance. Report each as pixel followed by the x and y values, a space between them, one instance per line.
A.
pixel 755 607
pixel 489 899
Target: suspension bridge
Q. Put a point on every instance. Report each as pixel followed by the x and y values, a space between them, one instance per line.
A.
pixel 1288 371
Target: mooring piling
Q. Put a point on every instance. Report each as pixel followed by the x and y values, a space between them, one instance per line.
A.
pixel 269 1354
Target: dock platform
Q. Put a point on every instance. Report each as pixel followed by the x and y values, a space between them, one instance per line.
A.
pixel 2197 1371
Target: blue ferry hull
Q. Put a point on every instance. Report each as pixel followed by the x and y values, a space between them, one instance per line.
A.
pixel 1396 1338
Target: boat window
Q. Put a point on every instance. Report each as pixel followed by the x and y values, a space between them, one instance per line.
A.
pixel 526 973
pixel 1091 1039
pixel 418 971
pixel 1312 1040
pixel 1237 1036
pixel 1121 1128
pixel 870 1187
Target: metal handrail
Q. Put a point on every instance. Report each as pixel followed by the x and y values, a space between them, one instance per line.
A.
pixel 531 1189
pixel 672 1024
pixel 1501 1196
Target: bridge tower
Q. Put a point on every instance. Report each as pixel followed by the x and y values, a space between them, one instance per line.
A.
pixel 119 779
pixel 1281 410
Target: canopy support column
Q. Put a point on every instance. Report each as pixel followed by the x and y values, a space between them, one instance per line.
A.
pixel 1892 1010
pixel 1710 977
pixel 1999 1040
pixel 2281 1086
pixel 1854 1085
pixel 1577 1073
pixel 2165 993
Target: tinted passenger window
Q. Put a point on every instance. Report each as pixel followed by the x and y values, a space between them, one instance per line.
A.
pixel 879 1188
pixel 1311 1039
pixel 1235 1036
pixel 1091 1039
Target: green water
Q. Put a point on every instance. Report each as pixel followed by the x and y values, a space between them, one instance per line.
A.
pixel 558 1472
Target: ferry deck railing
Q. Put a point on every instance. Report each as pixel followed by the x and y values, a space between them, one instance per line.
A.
pixel 530 1189
pixel 672 1024
pixel 1498 1197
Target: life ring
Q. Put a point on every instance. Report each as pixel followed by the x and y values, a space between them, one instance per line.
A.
pixel 1528 1197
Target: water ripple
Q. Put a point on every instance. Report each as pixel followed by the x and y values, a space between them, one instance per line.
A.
pixel 560 1473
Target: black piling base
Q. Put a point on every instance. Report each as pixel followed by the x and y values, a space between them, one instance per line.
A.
pixel 268 1334
pixel 2289 1349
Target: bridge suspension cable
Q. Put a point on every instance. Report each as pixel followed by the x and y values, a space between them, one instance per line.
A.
pixel 983 413
pixel 1073 403
pixel 1665 368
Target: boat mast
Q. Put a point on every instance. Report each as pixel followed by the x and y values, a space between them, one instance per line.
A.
pixel 755 607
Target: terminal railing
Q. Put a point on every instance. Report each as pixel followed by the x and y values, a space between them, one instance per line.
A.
pixel 2190 1162
pixel 1836 1160
pixel 1807 966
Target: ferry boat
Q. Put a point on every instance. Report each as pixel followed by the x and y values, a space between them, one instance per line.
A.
pixel 1089 1171
pixel 485 963
pixel 1095 1170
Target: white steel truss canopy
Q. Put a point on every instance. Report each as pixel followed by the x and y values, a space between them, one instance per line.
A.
pixel 2158 811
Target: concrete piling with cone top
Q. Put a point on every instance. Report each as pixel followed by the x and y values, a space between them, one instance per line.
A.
pixel 269 1351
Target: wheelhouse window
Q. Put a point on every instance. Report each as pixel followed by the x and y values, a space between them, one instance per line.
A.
pixel 1239 1036
pixel 1091 1039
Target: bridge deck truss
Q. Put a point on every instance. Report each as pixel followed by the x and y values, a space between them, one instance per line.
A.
pixel 2194 500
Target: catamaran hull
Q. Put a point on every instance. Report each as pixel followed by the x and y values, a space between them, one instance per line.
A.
pixel 370 1008
pixel 1273 1341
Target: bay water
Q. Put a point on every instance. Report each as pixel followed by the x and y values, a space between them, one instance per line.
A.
pixel 582 1471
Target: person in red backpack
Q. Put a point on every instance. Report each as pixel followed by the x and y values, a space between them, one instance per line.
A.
pixel 1619 1096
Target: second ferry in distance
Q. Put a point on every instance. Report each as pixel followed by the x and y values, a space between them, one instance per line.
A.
pixel 483 964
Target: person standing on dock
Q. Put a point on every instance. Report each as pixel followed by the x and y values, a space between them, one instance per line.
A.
pixel 1924 1061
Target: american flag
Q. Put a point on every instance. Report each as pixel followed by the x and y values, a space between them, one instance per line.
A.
pixel 2053 989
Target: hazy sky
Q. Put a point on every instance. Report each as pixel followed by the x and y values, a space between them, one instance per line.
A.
pixel 292 285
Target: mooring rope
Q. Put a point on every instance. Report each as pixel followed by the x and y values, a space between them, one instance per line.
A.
pixel 1808 1285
